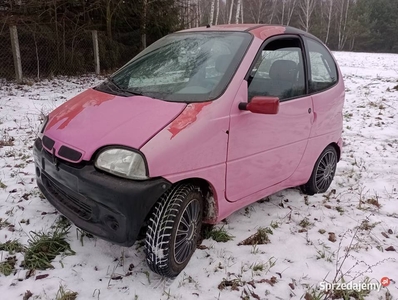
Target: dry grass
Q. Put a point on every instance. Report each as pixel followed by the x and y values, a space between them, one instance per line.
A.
pixel 44 247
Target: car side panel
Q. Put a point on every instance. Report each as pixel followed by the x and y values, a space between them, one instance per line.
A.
pixel 328 110
pixel 265 149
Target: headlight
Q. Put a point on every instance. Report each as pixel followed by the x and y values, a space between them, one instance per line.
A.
pixel 123 163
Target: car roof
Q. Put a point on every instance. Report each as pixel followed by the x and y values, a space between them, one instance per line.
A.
pixel 261 31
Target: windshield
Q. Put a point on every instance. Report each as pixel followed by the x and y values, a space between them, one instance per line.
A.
pixel 184 67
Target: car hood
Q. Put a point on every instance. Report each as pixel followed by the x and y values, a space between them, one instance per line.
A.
pixel 94 119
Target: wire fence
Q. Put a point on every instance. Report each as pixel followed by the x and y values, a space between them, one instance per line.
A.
pixel 44 52
pixel 6 60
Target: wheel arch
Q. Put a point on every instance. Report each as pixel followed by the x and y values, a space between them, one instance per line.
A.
pixel 210 212
pixel 209 196
pixel 337 148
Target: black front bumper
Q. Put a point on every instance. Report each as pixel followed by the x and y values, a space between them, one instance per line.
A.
pixel 107 206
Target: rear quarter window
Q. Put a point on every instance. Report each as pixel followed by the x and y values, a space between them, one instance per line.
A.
pixel 322 68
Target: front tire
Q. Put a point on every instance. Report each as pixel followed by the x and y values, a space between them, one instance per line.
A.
pixel 174 229
pixel 323 172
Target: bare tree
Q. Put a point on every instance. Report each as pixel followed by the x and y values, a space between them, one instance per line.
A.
pixel 198 14
pixel 230 11
pixel 237 11
pixel 329 19
pixel 212 12
pixel 306 9
pixel 143 23
pixel 272 11
pixel 288 7
pixel 111 7
pixel 344 6
pixel 256 10
pixel 188 13
pixel 241 10
pixel 217 11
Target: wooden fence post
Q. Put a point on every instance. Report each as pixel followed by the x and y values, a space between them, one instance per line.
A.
pixel 16 53
pixel 96 52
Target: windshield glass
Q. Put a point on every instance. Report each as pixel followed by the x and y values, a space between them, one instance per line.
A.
pixel 184 67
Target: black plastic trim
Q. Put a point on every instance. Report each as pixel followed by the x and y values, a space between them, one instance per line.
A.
pixel 69 153
pixel 48 143
pixel 107 206
pixel 39 144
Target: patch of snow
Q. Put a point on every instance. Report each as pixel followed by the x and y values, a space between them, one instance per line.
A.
pixel 362 213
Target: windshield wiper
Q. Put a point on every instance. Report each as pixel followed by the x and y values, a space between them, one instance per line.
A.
pixel 121 90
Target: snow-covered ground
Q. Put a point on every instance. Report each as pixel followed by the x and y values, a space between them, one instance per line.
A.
pixel 320 238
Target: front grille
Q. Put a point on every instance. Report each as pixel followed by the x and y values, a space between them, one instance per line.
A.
pixel 62 162
pixel 48 143
pixel 77 206
pixel 63 152
pixel 69 153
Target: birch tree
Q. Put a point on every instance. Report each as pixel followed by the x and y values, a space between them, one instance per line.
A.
pixel 241 11
pixel 230 11
pixel 217 11
pixel 237 11
pixel 197 14
pixel 272 11
pixel 288 8
pixel 329 20
pixel 306 9
pixel 256 10
pixel 343 23
pixel 212 12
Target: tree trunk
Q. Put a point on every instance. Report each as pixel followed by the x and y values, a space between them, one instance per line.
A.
pixel 56 32
pixel 197 23
pixel 230 11
pixel 307 8
pixel 329 21
pixel 292 6
pixel 108 19
pixel 241 11
pixel 217 12
pixel 188 13
pixel 342 35
pixel 237 12
pixel 143 23
pixel 212 12
pixel 271 17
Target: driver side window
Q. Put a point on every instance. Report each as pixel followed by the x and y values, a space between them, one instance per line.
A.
pixel 279 71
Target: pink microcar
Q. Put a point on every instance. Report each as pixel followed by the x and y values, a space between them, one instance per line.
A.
pixel 201 123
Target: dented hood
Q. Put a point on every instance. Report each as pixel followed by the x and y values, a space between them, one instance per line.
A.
pixel 95 119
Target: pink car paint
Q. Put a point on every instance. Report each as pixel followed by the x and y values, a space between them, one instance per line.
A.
pixel 242 156
pixel 103 119
pixel 243 168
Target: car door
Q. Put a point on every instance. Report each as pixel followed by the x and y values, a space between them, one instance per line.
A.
pixel 264 150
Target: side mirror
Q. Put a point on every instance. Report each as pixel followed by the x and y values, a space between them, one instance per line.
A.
pixel 261 105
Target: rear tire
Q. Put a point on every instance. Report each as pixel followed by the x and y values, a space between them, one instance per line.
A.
pixel 323 172
pixel 174 230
